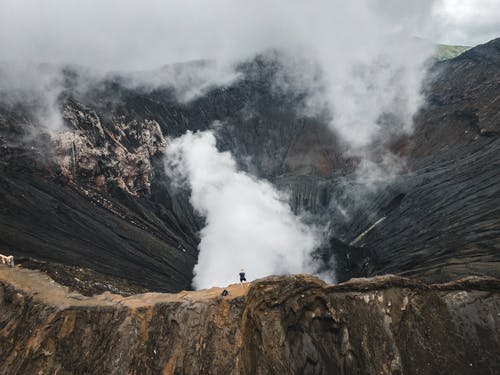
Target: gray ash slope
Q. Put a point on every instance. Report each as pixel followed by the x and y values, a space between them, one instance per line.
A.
pixel 443 217
pixel 96 195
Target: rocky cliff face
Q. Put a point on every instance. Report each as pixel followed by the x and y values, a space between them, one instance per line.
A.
pixel 278 325
pixel 118 156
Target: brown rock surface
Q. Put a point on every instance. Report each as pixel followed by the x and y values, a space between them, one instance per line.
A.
pixel 277 325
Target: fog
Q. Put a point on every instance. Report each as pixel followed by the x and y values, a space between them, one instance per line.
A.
pixel 467 22
pixel 368 51
pixel 372 53
pixel 130 34
pixel 249 224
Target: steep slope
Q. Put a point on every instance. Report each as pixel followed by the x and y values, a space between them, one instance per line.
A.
pixel 442 219
pixel 49 216
pixel 286 325
pixel 439 219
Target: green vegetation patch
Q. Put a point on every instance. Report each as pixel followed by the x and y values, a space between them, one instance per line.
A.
pixel 445 52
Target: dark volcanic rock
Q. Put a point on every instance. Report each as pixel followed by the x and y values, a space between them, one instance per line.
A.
pixel 79 225
pixel 446 223
pixel 277 325
pixel 463 102
pixel 95 194
pixel 83 280
pixel 442 218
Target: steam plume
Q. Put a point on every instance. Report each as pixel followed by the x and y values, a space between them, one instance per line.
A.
pixel 249 224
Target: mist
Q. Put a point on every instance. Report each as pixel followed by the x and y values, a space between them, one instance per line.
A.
pixel 132 35
pixel 371 54
pixel 249 223
pixel 37 87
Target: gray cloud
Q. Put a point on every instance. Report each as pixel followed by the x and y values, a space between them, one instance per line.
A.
pixel 364 48
pixel 133 35
pixel 128 34
pixel 467 22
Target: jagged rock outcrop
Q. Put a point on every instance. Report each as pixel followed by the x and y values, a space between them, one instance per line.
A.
pixel 120 155
pixel 277 325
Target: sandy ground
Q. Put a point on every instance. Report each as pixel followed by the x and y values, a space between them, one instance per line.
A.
pixel 40 286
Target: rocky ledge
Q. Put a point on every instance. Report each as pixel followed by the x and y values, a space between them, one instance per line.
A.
pixel 277 325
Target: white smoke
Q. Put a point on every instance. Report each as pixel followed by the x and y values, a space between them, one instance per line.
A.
pixel 249 223
pixel 372 175
pixel 37 87
pixel 371 59
pixel 188 80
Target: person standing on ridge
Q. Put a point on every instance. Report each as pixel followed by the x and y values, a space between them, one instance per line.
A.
pixel 242 276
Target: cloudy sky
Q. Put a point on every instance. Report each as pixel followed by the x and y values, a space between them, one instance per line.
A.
pixel 469 22
pixel 143 34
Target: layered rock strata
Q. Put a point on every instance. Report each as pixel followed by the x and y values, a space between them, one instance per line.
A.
pixel 277 325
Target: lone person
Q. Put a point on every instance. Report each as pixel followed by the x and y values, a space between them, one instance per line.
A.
pixel 242 276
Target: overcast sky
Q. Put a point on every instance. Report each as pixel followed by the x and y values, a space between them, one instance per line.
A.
pixel 468 22
pixel 143 34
